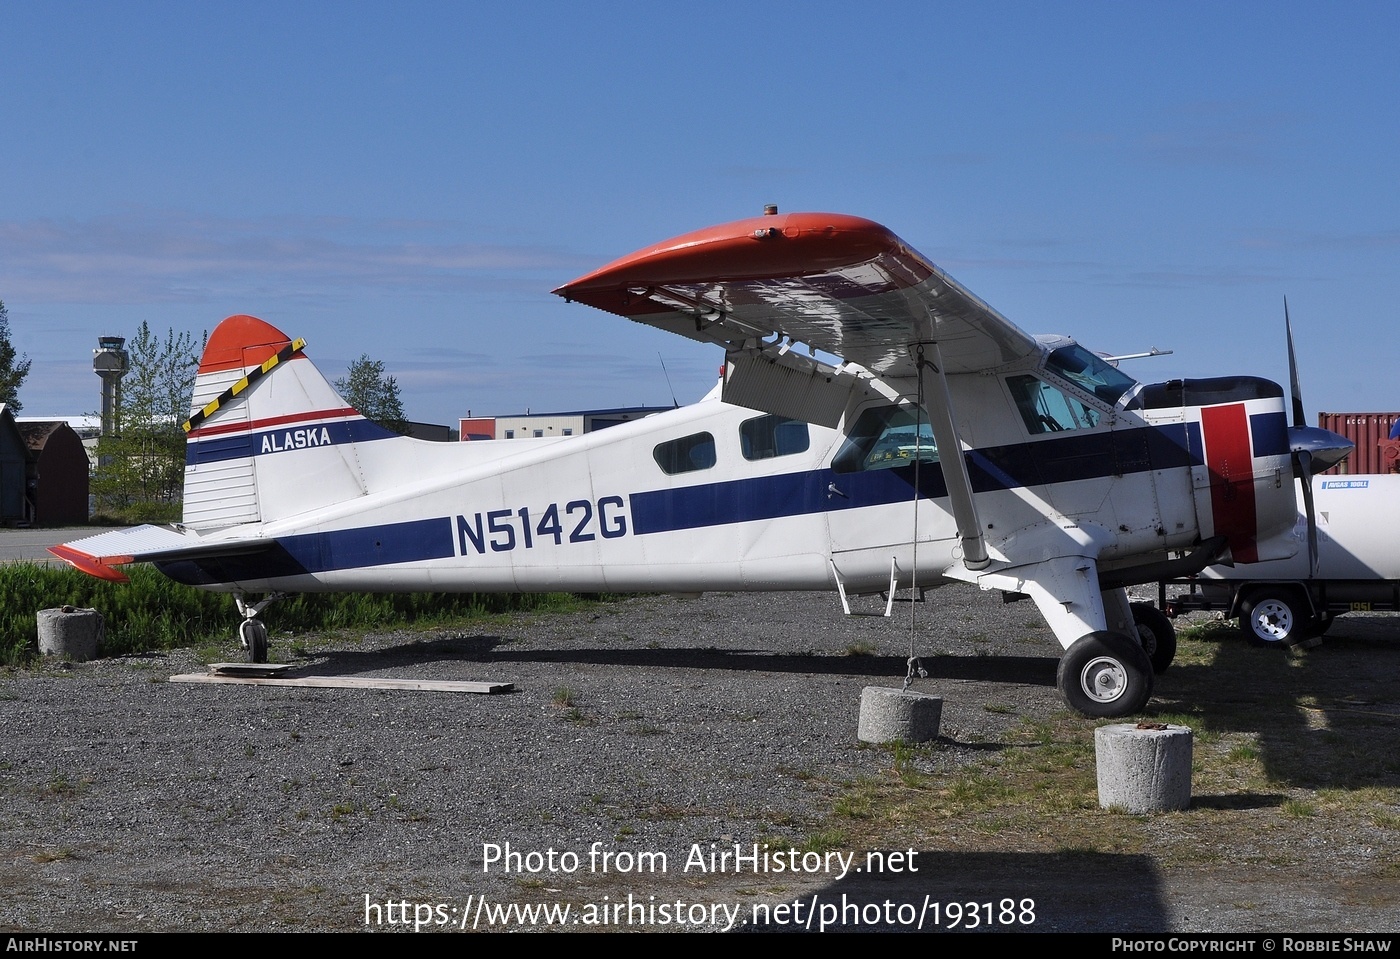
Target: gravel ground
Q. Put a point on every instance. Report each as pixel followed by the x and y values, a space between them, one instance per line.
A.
pixel 650 725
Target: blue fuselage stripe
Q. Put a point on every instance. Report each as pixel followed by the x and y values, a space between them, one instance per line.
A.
pixel 1061 459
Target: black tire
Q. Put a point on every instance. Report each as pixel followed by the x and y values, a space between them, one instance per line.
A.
pixel 1105 675
pixel 254 636
pixel 1157 633
pixel 1277 618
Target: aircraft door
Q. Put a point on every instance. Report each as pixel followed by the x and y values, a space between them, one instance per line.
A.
pixel 870 499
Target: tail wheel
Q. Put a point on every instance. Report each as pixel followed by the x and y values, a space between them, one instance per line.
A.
pixel 1277 618
pixel 254 636
pixel 1157 633
pixel 1105 675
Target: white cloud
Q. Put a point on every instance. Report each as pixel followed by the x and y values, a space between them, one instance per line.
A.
pixel 144 257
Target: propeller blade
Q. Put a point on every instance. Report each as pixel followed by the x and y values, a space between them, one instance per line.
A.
pixel 1299 417
pixel 1304 461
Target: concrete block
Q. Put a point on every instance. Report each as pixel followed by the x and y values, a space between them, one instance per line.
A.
pixel 889 714
pixel 1144 768
pixel 69 631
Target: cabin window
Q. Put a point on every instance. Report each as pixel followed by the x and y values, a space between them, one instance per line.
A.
pixel 765 437
pixel 886 438
pixel 686 455
pixel 1047 410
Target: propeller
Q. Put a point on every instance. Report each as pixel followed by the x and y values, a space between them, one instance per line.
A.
pixel 1314 449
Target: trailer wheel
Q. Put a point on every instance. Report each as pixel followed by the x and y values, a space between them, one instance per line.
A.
pixel 1277 618
pixel 1157 633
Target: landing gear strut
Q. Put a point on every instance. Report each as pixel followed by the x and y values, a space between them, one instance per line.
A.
pixel 252 634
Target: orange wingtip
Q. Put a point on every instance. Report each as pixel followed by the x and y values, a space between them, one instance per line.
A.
pixel 761 247
pixel 93 565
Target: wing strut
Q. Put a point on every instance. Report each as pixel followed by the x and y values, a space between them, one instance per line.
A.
pixel 940 414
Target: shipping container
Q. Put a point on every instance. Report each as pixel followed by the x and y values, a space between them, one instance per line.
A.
pixel 1375 452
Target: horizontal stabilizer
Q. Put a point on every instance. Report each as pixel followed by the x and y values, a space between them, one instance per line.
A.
pixel 100 555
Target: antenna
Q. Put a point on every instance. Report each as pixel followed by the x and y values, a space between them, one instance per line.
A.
pixel 674 404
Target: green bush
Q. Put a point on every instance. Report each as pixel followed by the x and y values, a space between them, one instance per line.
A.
pixel 152 612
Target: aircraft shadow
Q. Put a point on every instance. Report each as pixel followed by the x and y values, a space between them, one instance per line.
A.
pixel 1026 670
pixel 1321 719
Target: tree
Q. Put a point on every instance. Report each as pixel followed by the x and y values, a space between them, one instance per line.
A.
pixel 12 373
pixel 141 471
pixel 375 395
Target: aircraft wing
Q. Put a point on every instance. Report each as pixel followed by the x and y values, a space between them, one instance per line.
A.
pixel 100 555
pixel 842 284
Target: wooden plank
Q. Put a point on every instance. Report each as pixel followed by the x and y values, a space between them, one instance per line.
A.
pixel 251 670
pixel 352 682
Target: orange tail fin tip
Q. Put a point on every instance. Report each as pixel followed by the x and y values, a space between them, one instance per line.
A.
pixel 239 341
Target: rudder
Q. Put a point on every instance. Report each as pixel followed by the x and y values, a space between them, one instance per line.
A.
pixel 268 437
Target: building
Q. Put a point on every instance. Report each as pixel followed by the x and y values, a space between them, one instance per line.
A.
pixel 44 472
pixel 14 460
pixel 57 473
pixel 542 425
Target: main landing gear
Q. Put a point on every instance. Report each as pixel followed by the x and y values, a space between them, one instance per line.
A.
pixel 1157 633
pixel 1105 675
pixel 252 634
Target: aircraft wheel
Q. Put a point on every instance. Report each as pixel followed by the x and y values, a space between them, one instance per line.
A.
pixel 1157 633
pixel 1277 618
pixel 254 637
pixel 1105 675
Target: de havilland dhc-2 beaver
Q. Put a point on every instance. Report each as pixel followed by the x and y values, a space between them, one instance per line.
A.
pixel 941 443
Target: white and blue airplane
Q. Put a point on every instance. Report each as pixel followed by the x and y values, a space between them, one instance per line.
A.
pixel 940 443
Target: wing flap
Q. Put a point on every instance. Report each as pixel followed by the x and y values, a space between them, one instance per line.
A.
pixel 843 284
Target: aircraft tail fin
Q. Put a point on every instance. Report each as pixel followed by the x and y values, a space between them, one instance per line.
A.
pixel 268 436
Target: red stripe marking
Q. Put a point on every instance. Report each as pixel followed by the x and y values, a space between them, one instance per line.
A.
pixel 272 421
pixel 1230 460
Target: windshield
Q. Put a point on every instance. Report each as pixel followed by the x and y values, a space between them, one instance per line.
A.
pixel 1086 370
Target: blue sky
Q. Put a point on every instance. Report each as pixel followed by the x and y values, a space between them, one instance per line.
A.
pixel 411 180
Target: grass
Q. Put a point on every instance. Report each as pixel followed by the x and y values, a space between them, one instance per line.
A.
pixel 61 785
pixel 1279 742
pixel 152 612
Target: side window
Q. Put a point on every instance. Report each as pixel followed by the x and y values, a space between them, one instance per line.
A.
pixel 1047 410
pixel 685 455
pixel 886 438
pixel 765 437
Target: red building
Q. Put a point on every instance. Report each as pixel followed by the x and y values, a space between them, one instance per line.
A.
pixel 56 478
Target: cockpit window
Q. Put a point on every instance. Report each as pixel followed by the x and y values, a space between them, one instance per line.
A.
pixel 1084 369
pixel 1046 409
pixel 886 438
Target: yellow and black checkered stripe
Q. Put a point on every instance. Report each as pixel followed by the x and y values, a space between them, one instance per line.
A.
pixel 213 405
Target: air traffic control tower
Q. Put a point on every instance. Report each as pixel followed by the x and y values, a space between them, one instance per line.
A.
pixel 110 361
